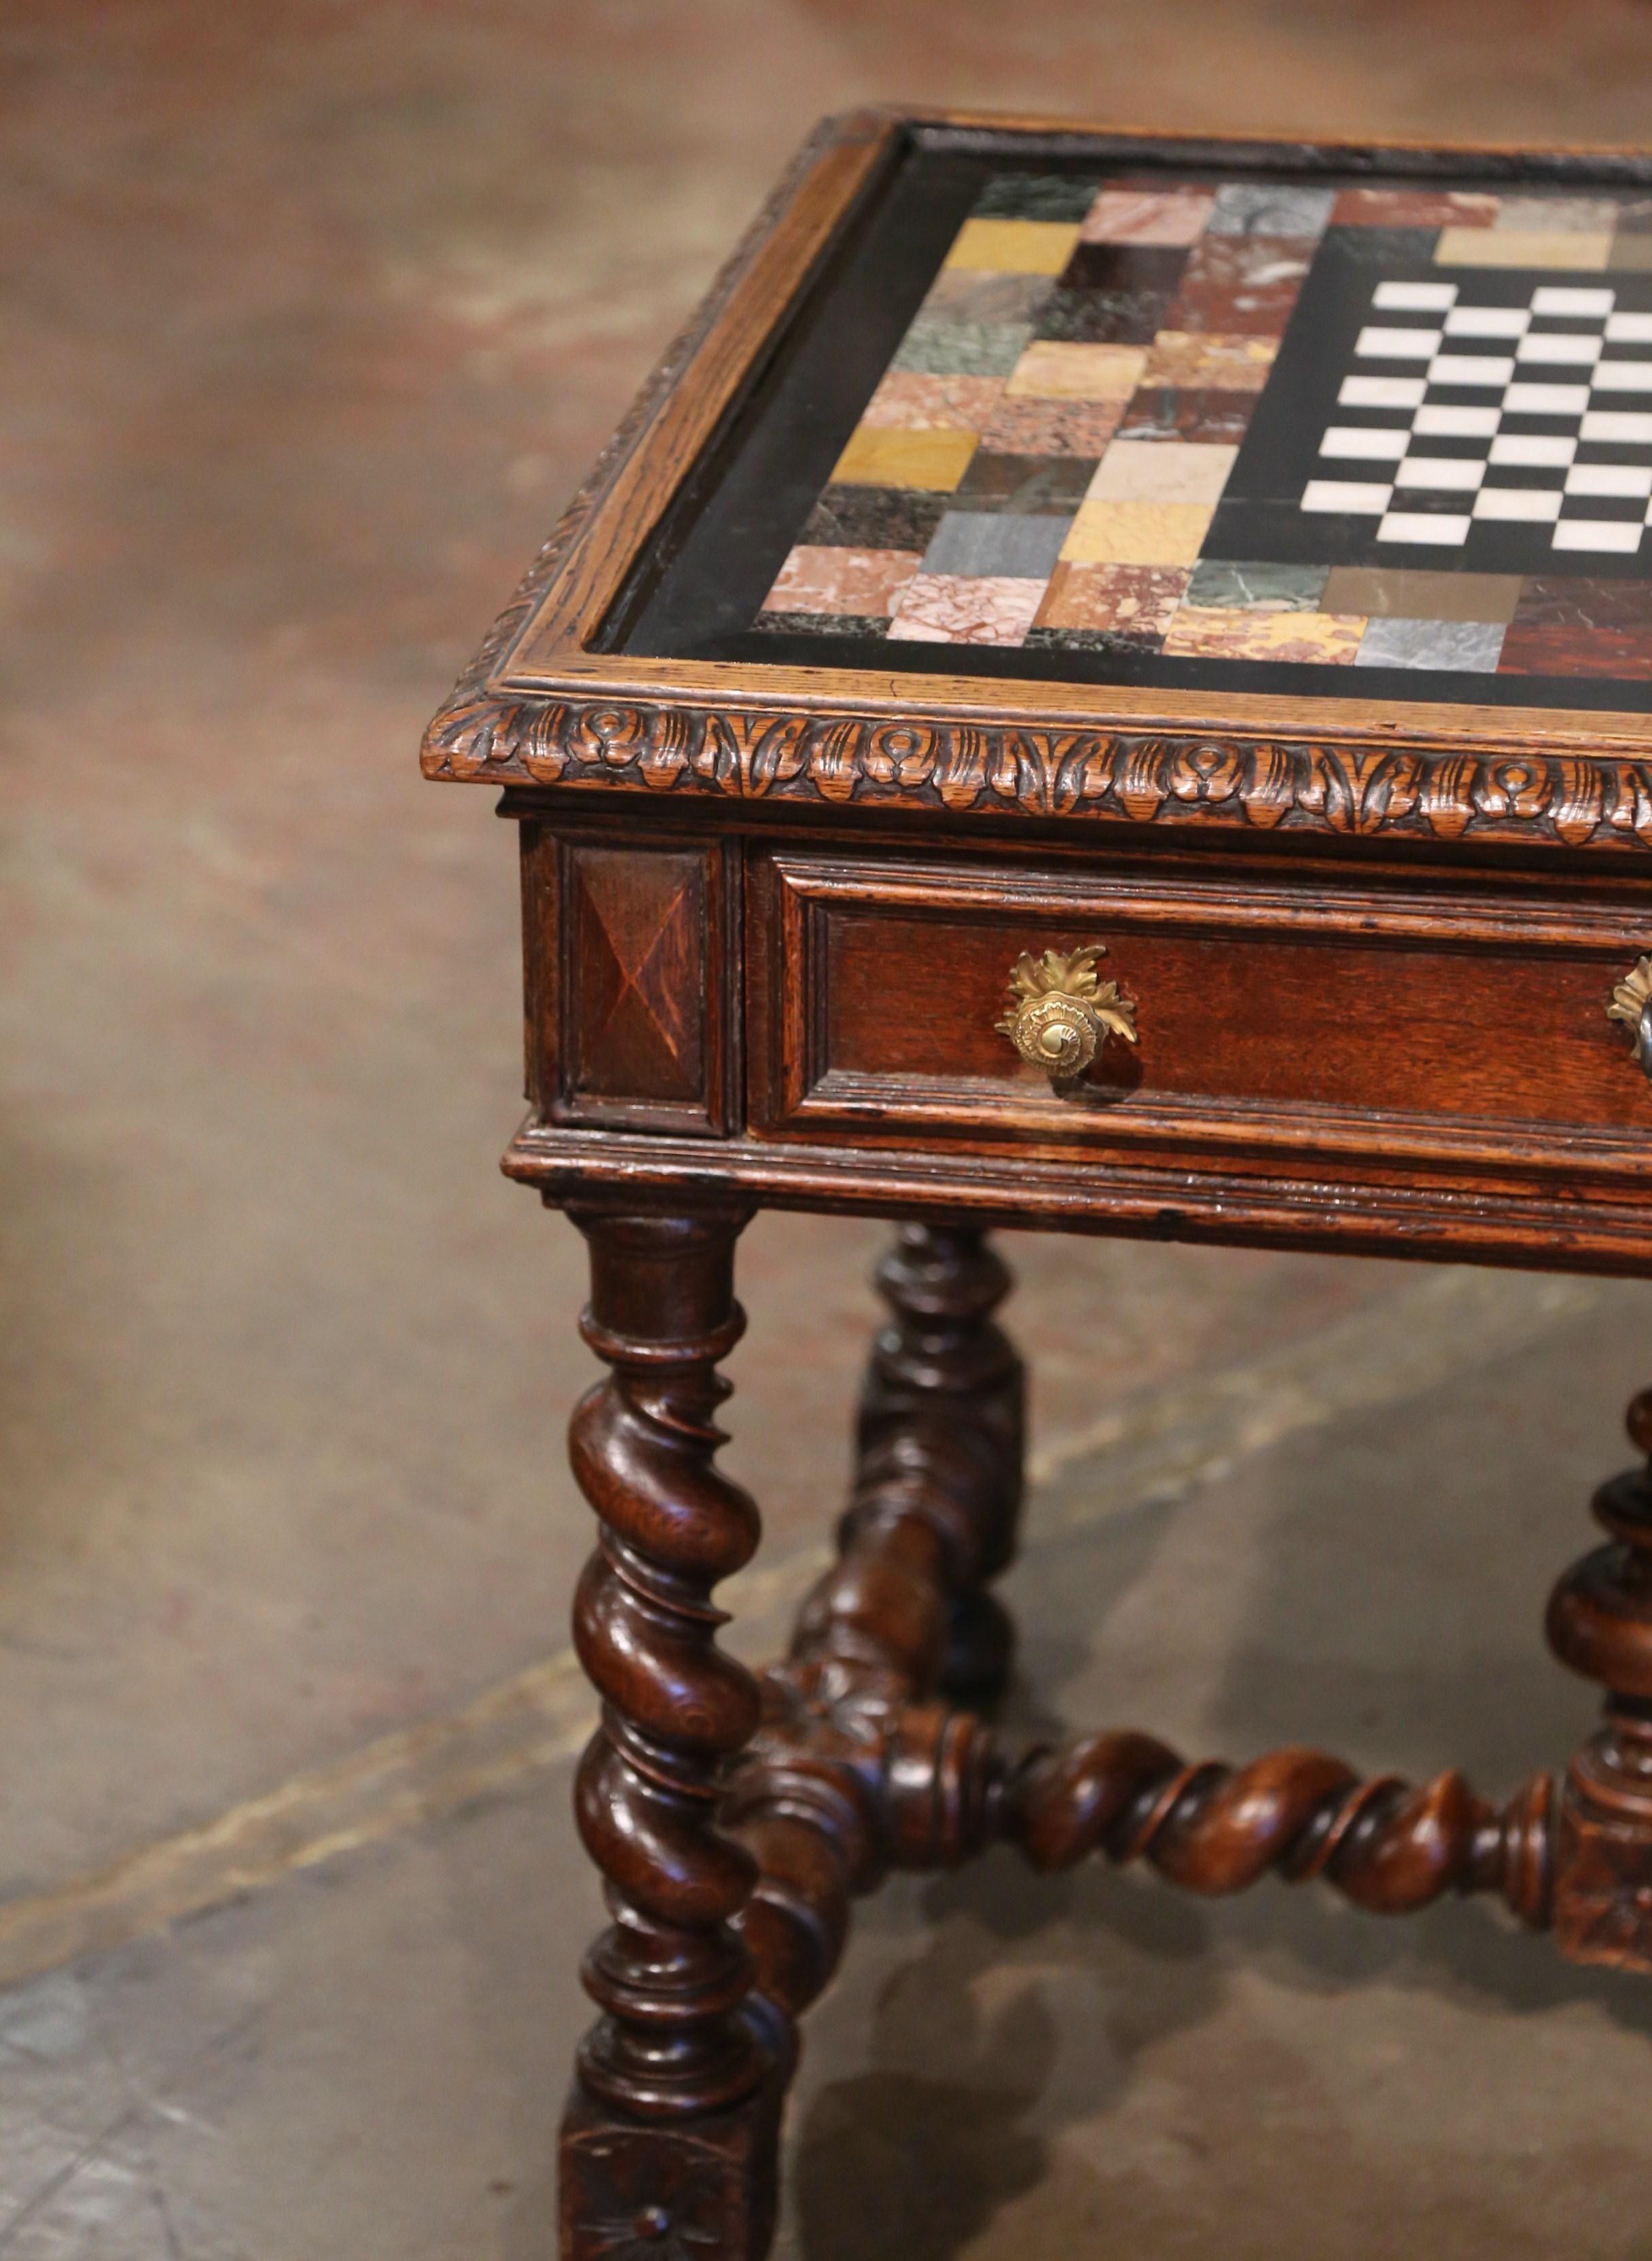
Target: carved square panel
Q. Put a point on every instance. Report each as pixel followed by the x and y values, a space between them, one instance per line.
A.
pixel 1603 1888
pixel 633 1023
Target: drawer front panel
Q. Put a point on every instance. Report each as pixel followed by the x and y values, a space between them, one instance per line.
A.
pixel 1288 1014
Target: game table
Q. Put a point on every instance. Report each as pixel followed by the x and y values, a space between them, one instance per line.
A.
pixel 1102 686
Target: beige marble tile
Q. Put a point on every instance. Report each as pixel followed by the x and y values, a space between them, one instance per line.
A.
pixel 1389 592
pixel 1162 470
pixel 1051 371
pixel 1210 360
pixel 1136 533
pixel 1483 247
pixel 1557 215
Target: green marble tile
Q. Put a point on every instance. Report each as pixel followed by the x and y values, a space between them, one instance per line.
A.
pixel 935 347
pixel 1036 196
pixel 1238 586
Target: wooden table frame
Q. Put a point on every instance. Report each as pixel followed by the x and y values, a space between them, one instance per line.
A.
pixel 724 872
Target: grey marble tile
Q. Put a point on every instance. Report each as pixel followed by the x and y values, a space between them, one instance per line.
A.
pixel 1269 209
pixel 1472 646
pixel 996 543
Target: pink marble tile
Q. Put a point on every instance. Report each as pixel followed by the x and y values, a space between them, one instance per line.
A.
pixel 1411 208
pixel 1051 427
pixel 957 608
pixel 1139 216
pixel 933 403
pixel 823 580
pixel 1139 600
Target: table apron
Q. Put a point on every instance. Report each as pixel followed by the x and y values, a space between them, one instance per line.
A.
pixel 1390 1058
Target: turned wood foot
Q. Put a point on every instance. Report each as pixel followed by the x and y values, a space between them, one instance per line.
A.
pixel 696 2190
pixel 1600 1623
pixel 668 2141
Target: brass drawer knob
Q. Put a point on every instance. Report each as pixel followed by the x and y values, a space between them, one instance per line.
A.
pixel 1631 1002
pixel 1062 1012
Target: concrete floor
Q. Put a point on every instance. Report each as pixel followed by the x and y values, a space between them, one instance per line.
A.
pixel 313 315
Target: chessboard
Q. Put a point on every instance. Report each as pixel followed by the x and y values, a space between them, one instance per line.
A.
pixel 1465 412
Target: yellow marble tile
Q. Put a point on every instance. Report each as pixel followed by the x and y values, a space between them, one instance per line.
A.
pixel 1136 533
pixel 1162 470
pixel 1210 360
pixel 1050 370
pixel 1323 639
pixel 1014 246
pixel 882 456
pixel 1489 247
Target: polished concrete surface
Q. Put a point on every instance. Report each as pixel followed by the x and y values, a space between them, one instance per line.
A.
pixel 313 316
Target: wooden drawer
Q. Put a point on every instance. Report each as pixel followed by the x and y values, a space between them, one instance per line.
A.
pixel 1283 1011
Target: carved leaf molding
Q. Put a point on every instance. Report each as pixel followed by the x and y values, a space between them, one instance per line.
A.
pixel 1567 800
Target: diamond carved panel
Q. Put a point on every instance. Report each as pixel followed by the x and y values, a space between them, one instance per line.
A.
pixel 639 978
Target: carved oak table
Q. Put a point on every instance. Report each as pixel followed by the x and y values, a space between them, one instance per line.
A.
pixel 1103 686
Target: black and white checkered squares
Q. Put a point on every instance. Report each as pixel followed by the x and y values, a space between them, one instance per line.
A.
pixel 1472 405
